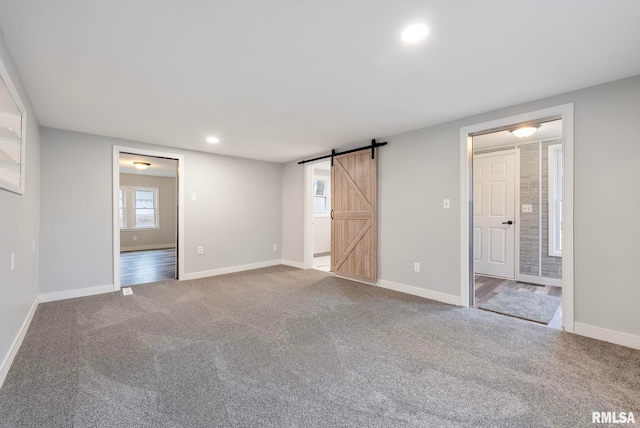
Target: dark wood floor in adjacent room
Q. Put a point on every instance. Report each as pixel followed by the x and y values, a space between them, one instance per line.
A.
pixel 139 267
pixel 487 287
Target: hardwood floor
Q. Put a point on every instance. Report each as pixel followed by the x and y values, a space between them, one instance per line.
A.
pixel 486 287
pixel 139 267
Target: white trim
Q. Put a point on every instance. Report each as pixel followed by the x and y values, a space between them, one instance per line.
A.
pixel 116 214
pixel 565 112
pixel 540 209
pixel 299 265
pixel 309 211
pixel 72 294
pixel 148 247
pixel 540 280
pixel 552 190
pixel 5 76
pixel 17 342
pixel 518 210
pixel 232 269
pixel 612 336
pixel 420 292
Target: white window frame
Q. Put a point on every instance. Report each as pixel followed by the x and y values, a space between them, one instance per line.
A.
pixel 122 195
pixel 555 200
pixel 327 195
pixel 129 193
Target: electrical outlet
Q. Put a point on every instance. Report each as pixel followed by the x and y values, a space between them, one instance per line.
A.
pixel 13 261
pixel 135 238
pixel 416 267
pixel 275 247
pixel 446 204
pixel 200 250
pixel 193 196
pixel 527 208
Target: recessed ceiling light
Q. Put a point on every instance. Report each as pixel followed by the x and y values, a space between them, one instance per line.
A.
pixel 525 131
pixel 213 140
pixel 141 165
pixel 414 33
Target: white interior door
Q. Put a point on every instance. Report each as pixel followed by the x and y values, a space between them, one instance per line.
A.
pixel 494 183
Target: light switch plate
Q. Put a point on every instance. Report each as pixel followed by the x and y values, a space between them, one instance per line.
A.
pixel 193 196
pixel 446 204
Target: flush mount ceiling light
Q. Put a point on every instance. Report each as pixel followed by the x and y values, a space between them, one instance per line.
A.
pixel 414 33
pixel 141 165
pixel 213 140
pixel 525 131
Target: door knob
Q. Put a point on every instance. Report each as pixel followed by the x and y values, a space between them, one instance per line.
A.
pixel 507 222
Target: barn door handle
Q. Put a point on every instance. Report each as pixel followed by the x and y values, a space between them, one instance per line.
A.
pixel 331 214
pixel 507 222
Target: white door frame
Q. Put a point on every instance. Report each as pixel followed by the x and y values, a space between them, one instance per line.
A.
pixel 564 112
pixel 308 212
pixel 116 211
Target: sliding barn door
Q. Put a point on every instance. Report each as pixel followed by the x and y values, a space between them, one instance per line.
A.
pixel 354 225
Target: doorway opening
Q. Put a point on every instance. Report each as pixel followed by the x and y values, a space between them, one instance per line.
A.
pixel 148 218
pixel 517 230
pixel 517 217
pixel 319 215
pixel 148 228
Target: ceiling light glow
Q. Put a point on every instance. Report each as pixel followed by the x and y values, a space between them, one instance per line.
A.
pixel 213 140
pixel 141 165
pixel 414 33
pixel 525 131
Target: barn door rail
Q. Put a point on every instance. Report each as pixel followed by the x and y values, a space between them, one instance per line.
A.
pixel 333 154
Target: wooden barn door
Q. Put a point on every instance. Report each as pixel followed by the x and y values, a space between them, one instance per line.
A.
pixel 354 225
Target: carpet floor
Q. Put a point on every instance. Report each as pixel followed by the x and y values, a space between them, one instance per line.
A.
pixel 283 347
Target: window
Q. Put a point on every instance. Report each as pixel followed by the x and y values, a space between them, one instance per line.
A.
pixel 121 202
pixel 555 200
pixel 321 196
pixel 138 207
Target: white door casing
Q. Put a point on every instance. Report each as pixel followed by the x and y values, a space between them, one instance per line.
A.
pixel 494 181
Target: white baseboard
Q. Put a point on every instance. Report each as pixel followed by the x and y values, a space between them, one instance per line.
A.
pixel 13 350
pixel 147 247
pixel 612 336
pixel 299 265
pixel 70 294
pixel 421 292
pixel 231 269
pixel 540 280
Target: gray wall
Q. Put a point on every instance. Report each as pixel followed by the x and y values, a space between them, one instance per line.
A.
pixel 19 225
pixel 165 235
pixel 236 216
pixel 420 168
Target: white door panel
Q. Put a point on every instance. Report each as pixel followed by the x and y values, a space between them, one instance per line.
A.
pixel 494 182
pixel 477 243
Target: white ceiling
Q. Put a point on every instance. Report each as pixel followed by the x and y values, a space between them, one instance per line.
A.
pixel 546 131
pixel 159 167
pixel 280 80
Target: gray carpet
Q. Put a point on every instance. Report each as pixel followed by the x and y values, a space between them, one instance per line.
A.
pixel 282 347
pixel 523 304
